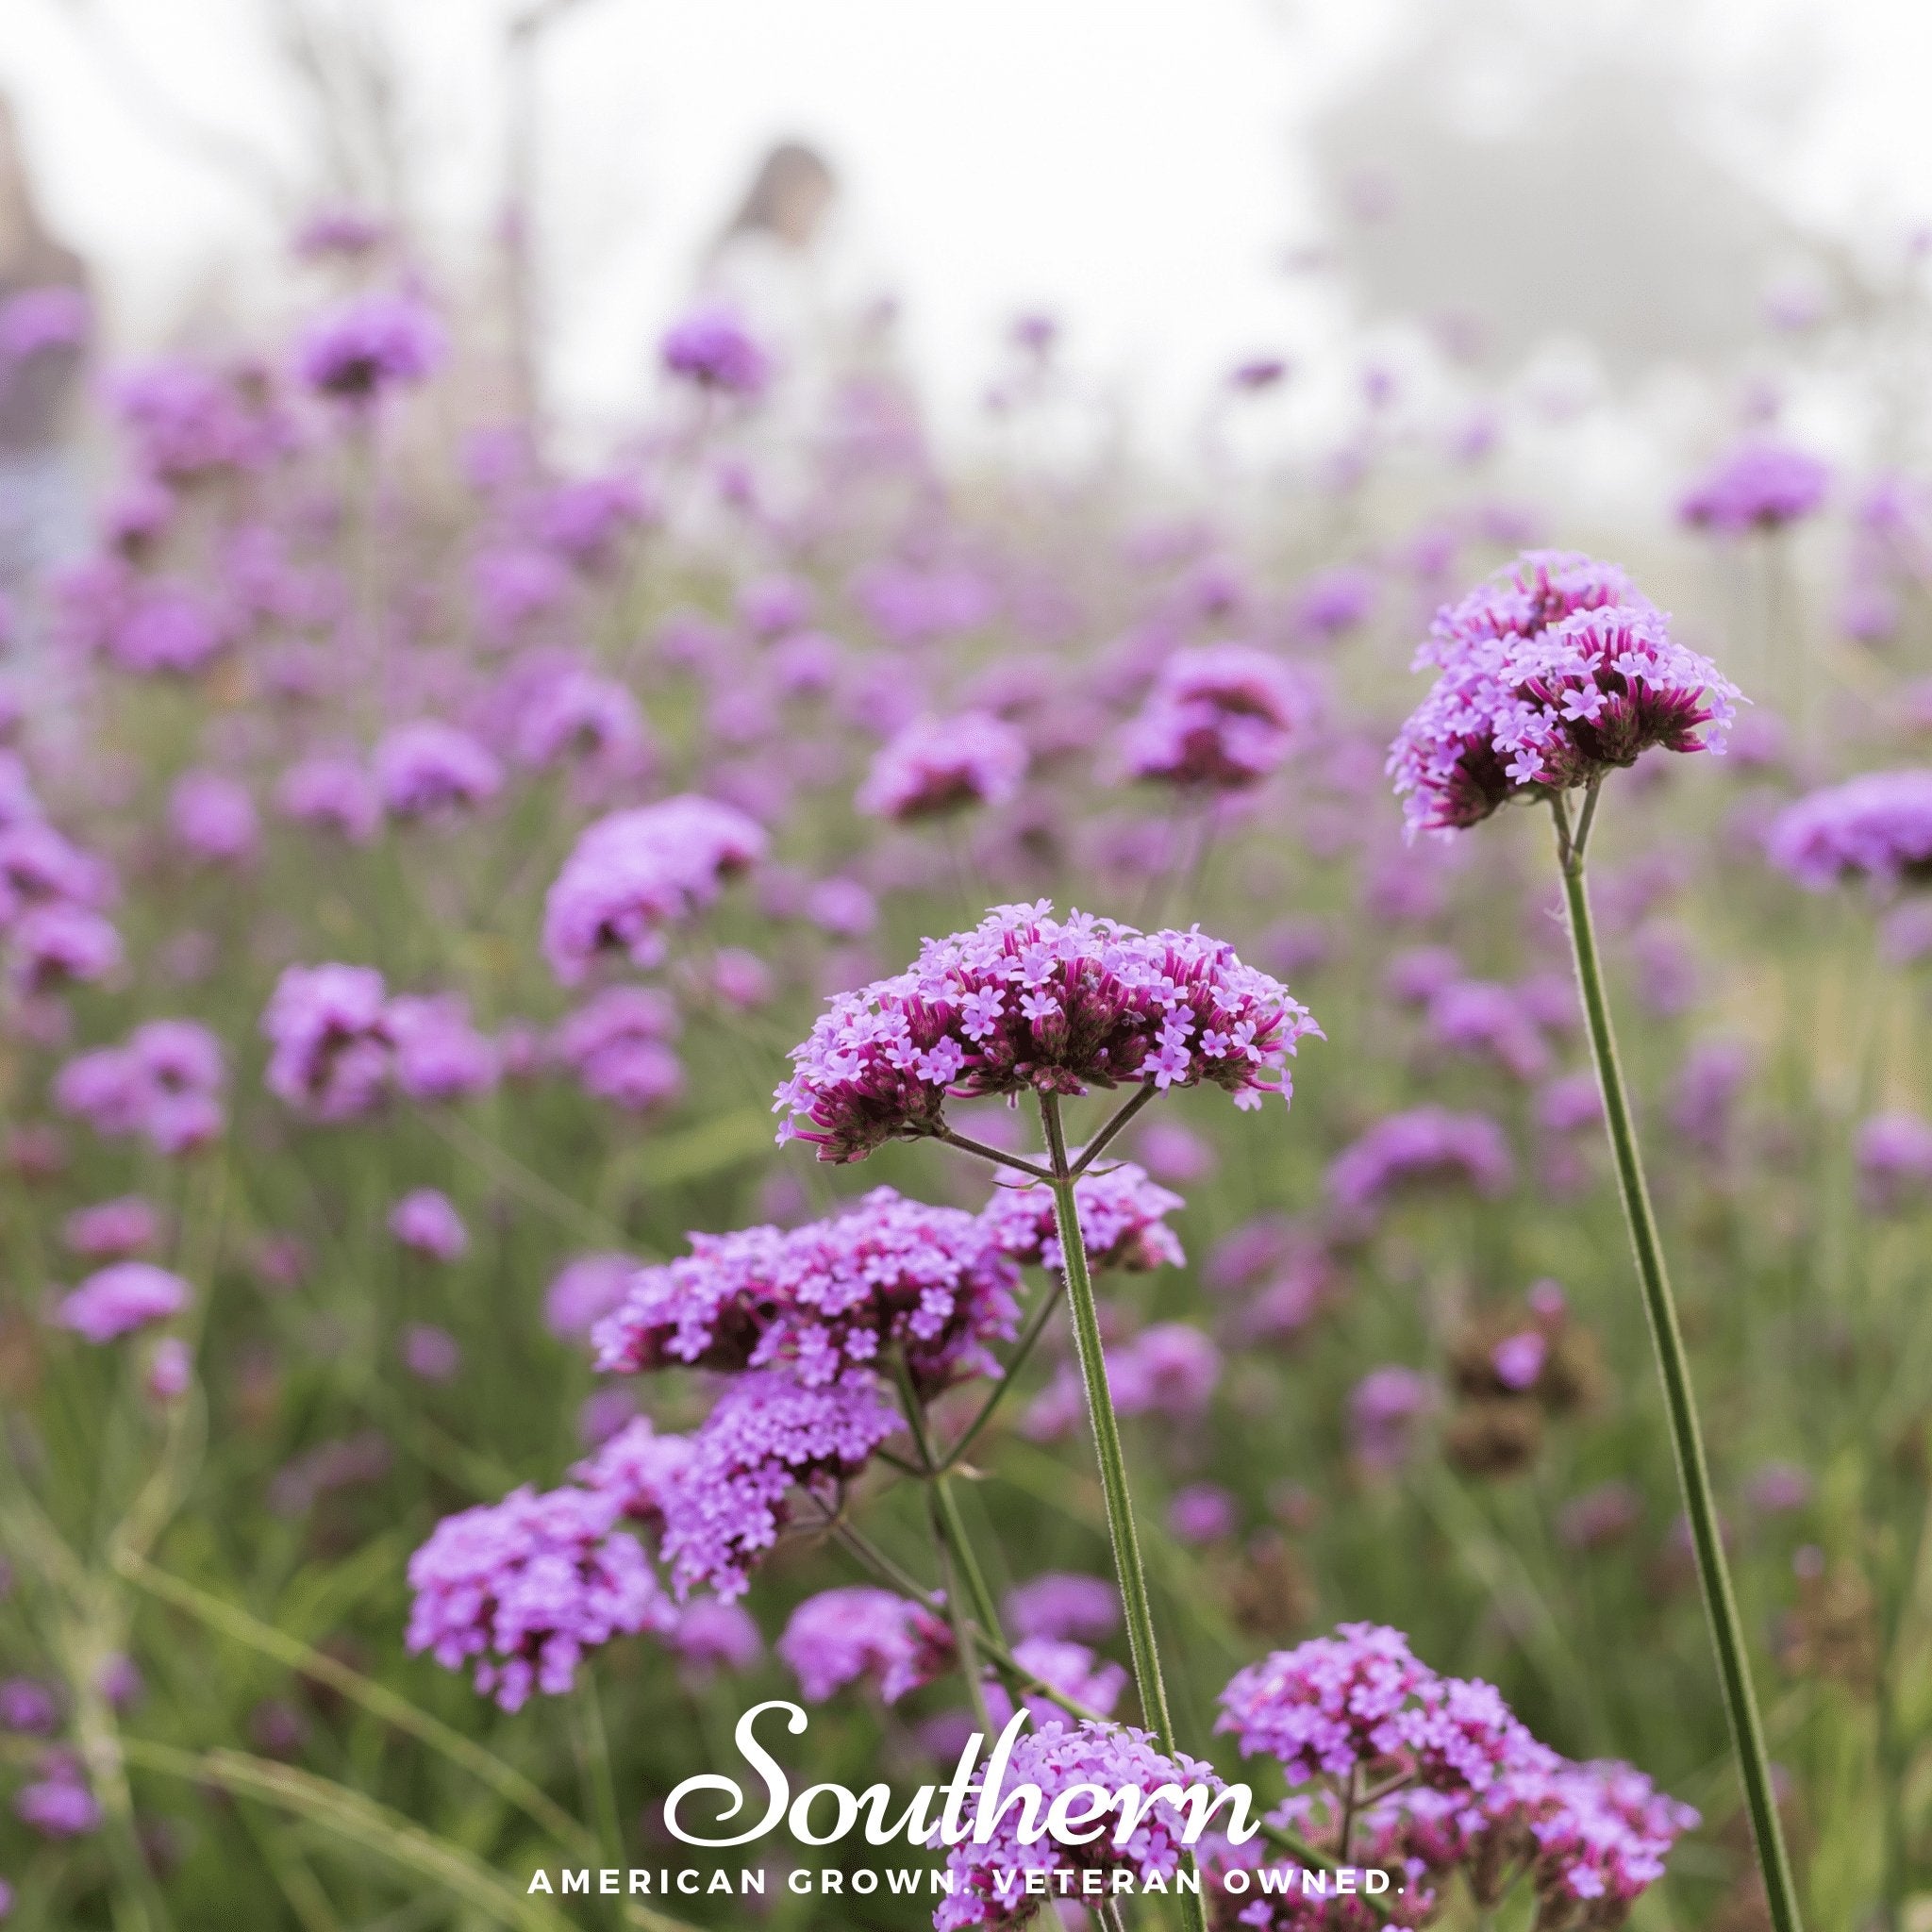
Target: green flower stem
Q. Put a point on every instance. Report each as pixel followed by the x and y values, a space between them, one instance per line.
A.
pixel 594 1766
pixel 1719 1601
pixel 967 1596
pixel 1128 1570
pixel 1036 1326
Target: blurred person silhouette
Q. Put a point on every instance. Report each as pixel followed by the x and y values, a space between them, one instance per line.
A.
pixel 46 331
pixel 769 262
pixel 785 265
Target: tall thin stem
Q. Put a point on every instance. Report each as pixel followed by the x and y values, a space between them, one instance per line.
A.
pixel 1128 1570
pixel 1674 1367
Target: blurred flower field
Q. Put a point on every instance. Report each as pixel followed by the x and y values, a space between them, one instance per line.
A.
pixel 437 1405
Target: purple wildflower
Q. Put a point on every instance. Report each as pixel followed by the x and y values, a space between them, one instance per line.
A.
pixel 27 1705
pixel 1552 674
pixel 439 1054
pixel 1478 1016
pixel 1064 1606
pixel 369 344
pixel 636 872
pixel 331 1056
pixel 1894 1157
pixel 1067 1764
pixel 113 1229
pixel 584 1290
pixel 615 1044
pixel 839 1636
pixel 213 818
pixel 59 1803
pixel 432 769
pixel 713 350
pixel 334 792
pixel 1223 715
pixel 767 1434
pixel 1426 1145
pixel 1121 1218
pixel 525 1587
pixel 121 1298
pixel 1070 1669
pixel 1758 486
pixel 1877 827
pixel 430 1353
pixel 427 1222
pixel 887 1276
pixel 592 721
pixel 1383 1409
pixel 1025 1001
pixel 1203 1514
pixel 935 766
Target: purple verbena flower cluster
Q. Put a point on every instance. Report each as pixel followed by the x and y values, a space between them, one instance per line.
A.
pixel 1555 671
pixel 839 1636
pixel 1877 826
pixel 1027 1002
pixel 934 766
pixel 525 1587
pixel 887 1277
pixel 1219 715
pixel 635 873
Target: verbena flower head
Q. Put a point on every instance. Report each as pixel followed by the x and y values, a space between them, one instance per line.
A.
pixel 525 1587
pixel 1223 715
pixel 1554 672
pixel 368 345
pixel 885 1276
pixel 164 1083
pixel 59 1803
pixel 839 1636
pixel 584 1290
pixel 432 769
pixel 639 1466
pixel 333 792
pixel 113 1229
pixel 426 1220
pixel 439 1054
pixel 1025 1002
pixel 119 1299
pixel 768 1434
pixel 940 765
pixel 635 873
pixel 991 1878
pixel 1758 486
pixel 1061 1604
pixel 1877 827
pixel 1426 1144
pixel 712 349
pixel 1893 1152
pixel 1121 1216
pixel 1070 1669
pixel 617 1046
pixel 213 817
pixel 330 1052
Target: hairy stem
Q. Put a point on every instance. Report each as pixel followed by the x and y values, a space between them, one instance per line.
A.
pixel 1674 1369
pixel 1128 1571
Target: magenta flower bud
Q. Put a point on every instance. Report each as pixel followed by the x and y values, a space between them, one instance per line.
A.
pixel 170 1370
pixel 841 1636
pixel 426 1220
pixel 935 766
pixel 121 1298
pixel 364 347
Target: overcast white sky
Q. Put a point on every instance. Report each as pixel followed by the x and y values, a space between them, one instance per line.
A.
pixel 1130 164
